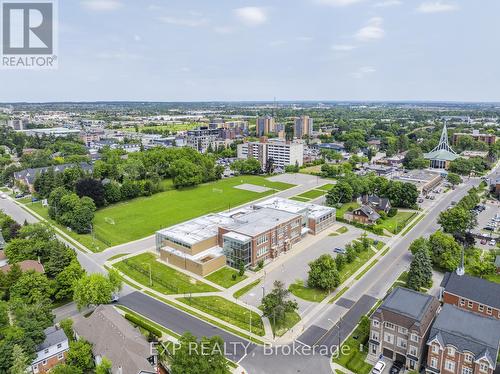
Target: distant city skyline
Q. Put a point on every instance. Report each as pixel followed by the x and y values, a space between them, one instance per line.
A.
pixel 306 50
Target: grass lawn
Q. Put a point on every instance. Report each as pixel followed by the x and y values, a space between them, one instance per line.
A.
pixel 343 209
pixel 309 294
pixel 311 169
pixel 312 194
pixel 227 311
pixel 338 295
pixel 149 322
pixel 245 289
pixel 326 187
pixel 342 230
pixel 224 277
pixel 398 222
pixel 165 279
pixel 135 219
pixel 493 278
pixel 282 327
pixel 354 359
pixel 301 199
pixel 350 269
pixel 180 306
pixel 400 282
pixel 117 256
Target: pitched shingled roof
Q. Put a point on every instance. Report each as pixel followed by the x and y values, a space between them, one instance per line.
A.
pixel 467 331
pixel 472 288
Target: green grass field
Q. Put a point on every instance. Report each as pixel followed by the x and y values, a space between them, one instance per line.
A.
pixel 227 311
pixel 350 269
pixel 224 277
pixel 244 290
pixel 301 199
pixel 280 328
pixel 326 187
pixel 345 207
pixel 312 194
pixel 305 293
pixel 398 222
pixel 165 279
pixel 138 218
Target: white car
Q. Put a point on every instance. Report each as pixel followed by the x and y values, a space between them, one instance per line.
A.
pixel 492 242
pixel 379 367
pixel 3 196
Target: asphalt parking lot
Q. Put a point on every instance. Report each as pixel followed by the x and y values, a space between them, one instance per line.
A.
pixel 484 218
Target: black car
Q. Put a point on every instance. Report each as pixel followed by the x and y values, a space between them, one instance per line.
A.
pixel 396 368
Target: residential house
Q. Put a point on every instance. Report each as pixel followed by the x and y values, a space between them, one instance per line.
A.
pixel 380 204
pixel 51 351
pixel 28 176
pixel 400 327
pixel 365 214
pixel 472 294
pixel 26 265
pixel 463 342
pixel 113 337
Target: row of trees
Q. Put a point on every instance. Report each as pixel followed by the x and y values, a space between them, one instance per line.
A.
pixel 27 297
pixel 70 210
pixel 351 186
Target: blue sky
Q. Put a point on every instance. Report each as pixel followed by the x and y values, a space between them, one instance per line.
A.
pixel 175 50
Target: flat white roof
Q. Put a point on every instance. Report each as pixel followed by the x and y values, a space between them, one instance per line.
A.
pixel 198 229
pixel 296 207
pixel 237 236
pixel 213 252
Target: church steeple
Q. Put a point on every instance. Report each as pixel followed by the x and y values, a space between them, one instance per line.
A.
pixel 443 141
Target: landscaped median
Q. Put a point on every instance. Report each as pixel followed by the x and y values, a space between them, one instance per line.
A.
pixel 163 279
pixel 227 311
pixel 245 289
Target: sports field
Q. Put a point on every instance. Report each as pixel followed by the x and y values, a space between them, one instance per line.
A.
pixel 138 218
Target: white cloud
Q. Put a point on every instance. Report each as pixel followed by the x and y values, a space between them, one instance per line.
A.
pixel 343 47
pixel 101 5
pixel 363 71
pixel 251 15
pixel 372 31
pixel 437 7
pixel 387 3
pixel 185 69
pixel 187 22
pixel 137 38
pixel 338 3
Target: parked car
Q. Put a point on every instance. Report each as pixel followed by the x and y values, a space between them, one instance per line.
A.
pixel 489 228
pixel 19 195
pixel 396 367
pixel 420 200
pixel 3 196
pixel 379 367
pixel 492 242
pixel 115 298
pixel 340 250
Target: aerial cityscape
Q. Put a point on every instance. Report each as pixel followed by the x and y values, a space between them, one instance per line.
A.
pixel 193 187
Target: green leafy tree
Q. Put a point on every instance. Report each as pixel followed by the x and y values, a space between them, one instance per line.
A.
pixel 94 289
pixel 419 245
pixel 185 173
pixel 454 179
pixel 275 304
pixel 342 192
pixel 65 369
pixel 104 367
pixel 323 273
pixel 445 251
pixel 66 279
pixel 420 273
pixel 194 357
pixel 457 220
pixel 67 326
pixel 31 287
pixel 20 360
pixel 80 355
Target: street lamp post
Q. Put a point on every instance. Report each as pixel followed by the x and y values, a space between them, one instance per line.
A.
pixel 150 277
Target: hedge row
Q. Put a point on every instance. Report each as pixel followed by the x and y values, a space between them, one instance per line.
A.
pixel 141 323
